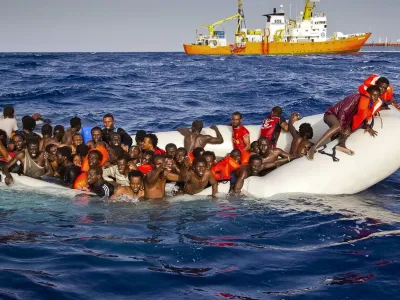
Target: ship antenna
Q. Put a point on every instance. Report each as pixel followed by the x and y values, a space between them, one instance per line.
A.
pixel 241 21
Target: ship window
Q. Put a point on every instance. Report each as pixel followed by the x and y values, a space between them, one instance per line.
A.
pixel 325 26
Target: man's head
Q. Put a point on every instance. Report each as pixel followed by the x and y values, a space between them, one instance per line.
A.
pixel 170 149
pixel 383 84
pixel 180 155
pixel 199 166
pixel 108 121
pixel 210 158
pixel 47 130
pixel 136 180
pixel 198 152
pixel 19 141
pixel 236 119
pixel 82 150
pixel 150 141
pixel 8 112
pixel 114 152
pixel 76 123
pixel 28 123
pixel 158 161
pixel 77 139
pixel 58 132
pixel 306 131
pixel 255 164
pixel 63 155
pixel 197 126
pixel 134 152
pixel 95 173
pixel 115 140
pixel 77 160
pixel 51 149
pixel 147 157
pixel 94 158
pixel 122 164
pixel 263 145
pixel 374 92
pixel 140 134
pixel 97 134
pixel 236 155
pixel 33 148
pixel 276 111
pixel 254 147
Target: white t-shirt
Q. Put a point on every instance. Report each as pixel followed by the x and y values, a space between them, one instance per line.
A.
pixel 8 125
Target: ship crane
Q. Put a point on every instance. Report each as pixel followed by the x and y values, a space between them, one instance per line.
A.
pixel 211 27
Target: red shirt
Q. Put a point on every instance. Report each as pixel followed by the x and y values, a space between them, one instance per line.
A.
pixel 237 137
pixel 159 151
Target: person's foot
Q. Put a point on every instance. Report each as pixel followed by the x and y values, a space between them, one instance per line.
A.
pixel 345 150
pixel 311 153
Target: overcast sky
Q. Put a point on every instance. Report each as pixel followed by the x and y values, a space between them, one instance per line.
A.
pixel 163 25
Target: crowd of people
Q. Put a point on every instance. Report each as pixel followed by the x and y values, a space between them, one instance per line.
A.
pixel 111 164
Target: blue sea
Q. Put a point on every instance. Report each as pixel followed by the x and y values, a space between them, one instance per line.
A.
pixel 54 246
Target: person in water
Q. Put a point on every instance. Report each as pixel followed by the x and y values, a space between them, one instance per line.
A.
pixel 155 180
pixel 135 190
pixel 97 184
pixel 47 136
pixel 348 115
pixel 301 139
pixel 76 125
pixel 194 139
pixel 240 134
pixel 68 172
pixel 32 160
pixel 109 129
pixel 198 177
pixel 273 124
pixel 97 138
pixel 238 177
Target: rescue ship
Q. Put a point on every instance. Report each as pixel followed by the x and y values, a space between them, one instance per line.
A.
pixel 307 34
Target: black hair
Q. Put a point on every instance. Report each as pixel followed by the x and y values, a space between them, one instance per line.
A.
pixel 48 147
pixel 170 145
pixel 108 116
pixel 199 159
pixel 198 125
pixel 262 138
pixel 383 80
pixel 97 169
pixel 236 151
pixel 135 173
pixel 28 123
pixel 59 128
pixel 169 156
pixel 197 152
pixel 182 149
pixel 306 131
pixel 47 129
pixel 8 112
pixel 115 134
pixel 158 156
pixel 373 88
pixel 118 151
pixel 82 149
pixel 98 153
pixel 254 157
pixel 77 134
pixel 22 136
pixel 140 134
pixel 277 110
pixel 66 152
pixel 151 153
pixel 153 138
pixel 123 156
pixel 33 140
pixel 96 128
pixel 3 139
pixel 209 153
pixel 75 122
pixel 236 113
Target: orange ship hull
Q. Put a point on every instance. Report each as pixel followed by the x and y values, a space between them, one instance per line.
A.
pixel 348 45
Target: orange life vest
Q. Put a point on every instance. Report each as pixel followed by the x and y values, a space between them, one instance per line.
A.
pixel 366 110
pixel 222 170
pixel 81 181
pixel 371 80
pixel 103 151
pixel 245 157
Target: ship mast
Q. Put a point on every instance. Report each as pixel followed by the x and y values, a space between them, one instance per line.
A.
pixel 310 5
pixel 241 21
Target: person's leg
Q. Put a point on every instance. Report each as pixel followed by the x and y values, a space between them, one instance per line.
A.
pixel 334 124
pixel 342 142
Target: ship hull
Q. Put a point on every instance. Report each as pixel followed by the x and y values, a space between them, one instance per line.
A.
pixel 349 45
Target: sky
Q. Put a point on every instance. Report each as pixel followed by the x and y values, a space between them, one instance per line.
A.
pixel 164 25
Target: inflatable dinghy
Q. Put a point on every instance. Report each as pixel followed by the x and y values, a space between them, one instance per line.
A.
pixel 375 159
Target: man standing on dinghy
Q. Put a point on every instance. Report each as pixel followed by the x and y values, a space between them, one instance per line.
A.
pixel 348 115
pixel 194 139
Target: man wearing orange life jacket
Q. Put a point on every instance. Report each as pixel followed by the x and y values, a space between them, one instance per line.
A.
pixel 348 115
pixel 386 89
pixel 222 169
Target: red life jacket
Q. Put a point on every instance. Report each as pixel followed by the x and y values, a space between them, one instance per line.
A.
pixel 145 168
pixel 270 128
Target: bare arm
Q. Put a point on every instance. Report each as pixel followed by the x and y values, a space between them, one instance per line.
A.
pixel 116 193
pixel 246 140
pixel 184 131
pixel 7 166
pixel 240 181
pixel 152 177
pixel 285 126
pixel 215 140
pixel 214 184
pixel 173 177
pixel 293 118
pixel 281 153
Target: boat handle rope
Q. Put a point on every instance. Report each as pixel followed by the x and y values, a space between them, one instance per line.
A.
pixel 333 155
